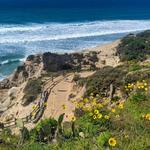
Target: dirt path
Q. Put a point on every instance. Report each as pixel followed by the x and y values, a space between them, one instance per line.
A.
pixel 58 97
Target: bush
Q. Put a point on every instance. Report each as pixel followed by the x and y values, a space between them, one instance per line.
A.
pixel 76 77
pixel 32 90
pixel 100 82
pixel 135 47
pixel 45 130
pixel 138 96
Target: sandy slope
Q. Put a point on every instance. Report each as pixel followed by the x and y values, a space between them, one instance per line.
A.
pixel 60 93
pixel 106 53
pixel 59 96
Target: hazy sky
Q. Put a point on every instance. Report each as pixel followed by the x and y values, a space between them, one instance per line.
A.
pixel 73 3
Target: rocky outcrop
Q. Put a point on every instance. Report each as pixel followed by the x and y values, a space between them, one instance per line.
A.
pixel 31 67
pixel 49 62
pixel 75 61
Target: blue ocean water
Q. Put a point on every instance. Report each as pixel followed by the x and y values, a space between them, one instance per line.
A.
pixel 30 31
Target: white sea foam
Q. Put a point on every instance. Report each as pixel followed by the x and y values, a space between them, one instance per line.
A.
pixel 17 41
pixel 11 61
pixel 62 31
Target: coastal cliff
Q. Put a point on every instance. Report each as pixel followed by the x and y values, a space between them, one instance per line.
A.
pixel 92 94
pixel 37 68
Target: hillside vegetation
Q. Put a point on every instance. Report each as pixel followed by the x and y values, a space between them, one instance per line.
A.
pixel 135 47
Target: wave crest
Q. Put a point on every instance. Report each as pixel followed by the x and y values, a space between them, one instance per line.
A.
pixel 9 61
pixel 62 31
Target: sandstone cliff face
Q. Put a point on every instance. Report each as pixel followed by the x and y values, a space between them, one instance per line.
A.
pixel 33 68
pixel 29 69
pixel 49 62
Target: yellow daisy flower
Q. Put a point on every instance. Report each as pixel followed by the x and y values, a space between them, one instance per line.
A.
pixel 86 100
pixel 73 118
pixel 117 116
pixel 112 142
pixel 121 106
pixel 113 110
pixel 96 111
pixel 147 116
pixel 146 89
pixel 99 105
pixel 106 117
pixel 45 104
pixel 64 107
pixel 99 116
pixel 94 117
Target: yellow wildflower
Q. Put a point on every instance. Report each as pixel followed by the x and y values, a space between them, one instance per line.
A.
pixel 73 118
pixel 91 94
pixel 112 142
pixel 34 107
pixel 94 100
pixel 113 110
pixel 88 108
pixel 93 103
pixel 64 107
pixel 99 105
pixel 45 104
pixel 146 89
pixel 97 95
pixel 33 114
pixel 86 100
pixel 121 106
pixel 106 117
pixel 117 116
pixel 99 116
pixel 96 111
pixel 126 136
pixel 94 117
pixel 147 116
pixel 81 104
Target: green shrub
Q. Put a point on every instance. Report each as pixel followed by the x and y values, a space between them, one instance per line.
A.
pixel 76 77
pixel 45 130
pixel 7 140
pixel 32 90
pixel 103 138
pixel 134 47
pixel 85 125
pixel 100 82
pixel 138 96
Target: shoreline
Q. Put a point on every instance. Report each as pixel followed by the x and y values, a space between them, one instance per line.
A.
pixel 98 48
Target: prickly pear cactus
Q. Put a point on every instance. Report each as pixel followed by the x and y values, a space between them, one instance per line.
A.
pixel 60 120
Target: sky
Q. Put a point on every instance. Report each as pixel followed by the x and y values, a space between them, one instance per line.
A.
pixel 73 3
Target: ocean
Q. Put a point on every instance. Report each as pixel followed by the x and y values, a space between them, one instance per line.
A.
pixel 29 31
